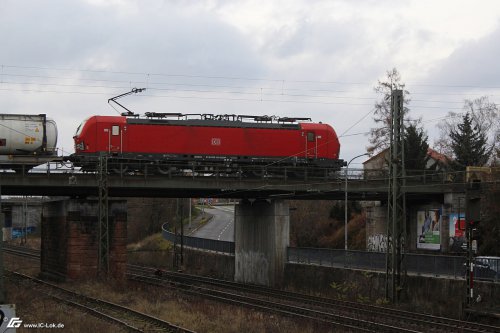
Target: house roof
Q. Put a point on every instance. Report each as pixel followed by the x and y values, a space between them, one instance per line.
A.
pixel 377 156
pixel 437 156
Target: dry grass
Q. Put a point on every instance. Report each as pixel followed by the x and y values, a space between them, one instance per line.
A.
pixel 154 242
pixel 195 313
pixel 35 307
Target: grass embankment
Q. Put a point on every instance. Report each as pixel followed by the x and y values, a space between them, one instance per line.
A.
pixel 152 251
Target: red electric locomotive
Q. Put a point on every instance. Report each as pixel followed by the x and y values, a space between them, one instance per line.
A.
pixel 167 142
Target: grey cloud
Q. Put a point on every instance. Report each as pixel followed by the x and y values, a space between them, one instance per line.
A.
pixel 156 40
pixel 473 64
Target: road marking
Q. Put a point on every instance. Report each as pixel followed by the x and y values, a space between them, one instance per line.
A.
pixel 224 230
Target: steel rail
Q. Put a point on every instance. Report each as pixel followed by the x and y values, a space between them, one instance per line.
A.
pixel 391 315
pixel 376 312
pixel 122 316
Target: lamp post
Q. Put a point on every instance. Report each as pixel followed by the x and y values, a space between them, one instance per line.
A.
pixel 345 204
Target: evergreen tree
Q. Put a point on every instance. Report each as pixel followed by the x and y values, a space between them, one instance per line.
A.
pixel 485 114
pixel 469 144
pixel 415 148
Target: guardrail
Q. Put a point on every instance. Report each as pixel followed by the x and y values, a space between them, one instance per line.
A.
pixel 200 243
pixel 419 264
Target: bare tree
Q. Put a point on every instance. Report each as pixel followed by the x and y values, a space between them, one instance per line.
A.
pixel 380 135
pixel 485 115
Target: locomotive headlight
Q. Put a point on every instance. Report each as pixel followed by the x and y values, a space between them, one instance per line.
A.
pixel 80 146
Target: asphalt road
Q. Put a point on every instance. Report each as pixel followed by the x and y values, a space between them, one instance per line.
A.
pixel 221 226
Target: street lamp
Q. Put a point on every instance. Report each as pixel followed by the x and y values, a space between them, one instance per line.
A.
pixel 345 204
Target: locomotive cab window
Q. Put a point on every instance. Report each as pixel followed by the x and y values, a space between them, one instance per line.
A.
pixel 115 130
pixel 80 128
pixel 310 137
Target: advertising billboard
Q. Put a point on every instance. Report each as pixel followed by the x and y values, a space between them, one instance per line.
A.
pixel 457 231
pixel 458 238
pixel 428 229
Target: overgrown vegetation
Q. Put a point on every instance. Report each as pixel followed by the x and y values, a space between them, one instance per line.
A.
pixel 147 215
pixel 155 242
pixel 361 292
pixel 321 224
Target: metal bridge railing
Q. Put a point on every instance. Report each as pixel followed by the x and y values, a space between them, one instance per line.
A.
pixel 200 243
pixel 486 268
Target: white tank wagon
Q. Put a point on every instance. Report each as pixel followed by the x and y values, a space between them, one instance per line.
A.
pixel 26 141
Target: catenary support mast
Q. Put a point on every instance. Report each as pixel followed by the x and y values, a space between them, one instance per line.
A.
pixel 396 203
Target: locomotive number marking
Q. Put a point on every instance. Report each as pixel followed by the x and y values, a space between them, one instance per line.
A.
pixel 216 141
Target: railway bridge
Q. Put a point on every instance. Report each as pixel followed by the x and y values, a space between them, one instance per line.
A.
pixel 317 188
pixel 261 218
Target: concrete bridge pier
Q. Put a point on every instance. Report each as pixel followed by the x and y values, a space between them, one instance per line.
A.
pixel 70 239
pixel 261 234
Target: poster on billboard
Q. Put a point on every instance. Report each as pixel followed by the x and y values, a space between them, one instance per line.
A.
pixel 457 232
pixel 458 237
pixel 428 229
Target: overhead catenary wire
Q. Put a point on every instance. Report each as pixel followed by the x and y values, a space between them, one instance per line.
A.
pixel 147 79
pixel 242 78
pixel 221 98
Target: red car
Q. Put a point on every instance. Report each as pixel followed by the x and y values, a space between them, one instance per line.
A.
pixel 164 142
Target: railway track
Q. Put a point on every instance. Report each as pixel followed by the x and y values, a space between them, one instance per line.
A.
pixel 343 315
pixel 121 316
pixel 356 315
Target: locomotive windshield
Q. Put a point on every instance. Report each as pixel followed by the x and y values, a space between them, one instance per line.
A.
pixel 79 129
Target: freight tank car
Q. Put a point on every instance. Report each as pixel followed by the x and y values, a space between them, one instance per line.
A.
pixel 167 142
pixel 26 141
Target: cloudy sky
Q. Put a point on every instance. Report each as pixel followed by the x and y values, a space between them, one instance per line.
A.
pixel 318 59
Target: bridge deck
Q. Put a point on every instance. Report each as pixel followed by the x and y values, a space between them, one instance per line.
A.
pixel 67 184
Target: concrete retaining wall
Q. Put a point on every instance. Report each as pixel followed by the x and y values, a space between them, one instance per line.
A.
pixel 216 265
pixel 436 296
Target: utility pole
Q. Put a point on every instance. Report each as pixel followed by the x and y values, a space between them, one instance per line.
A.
pixel 396 204
pixel 102 182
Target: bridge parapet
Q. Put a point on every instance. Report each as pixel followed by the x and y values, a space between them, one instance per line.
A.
pixel 359 186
